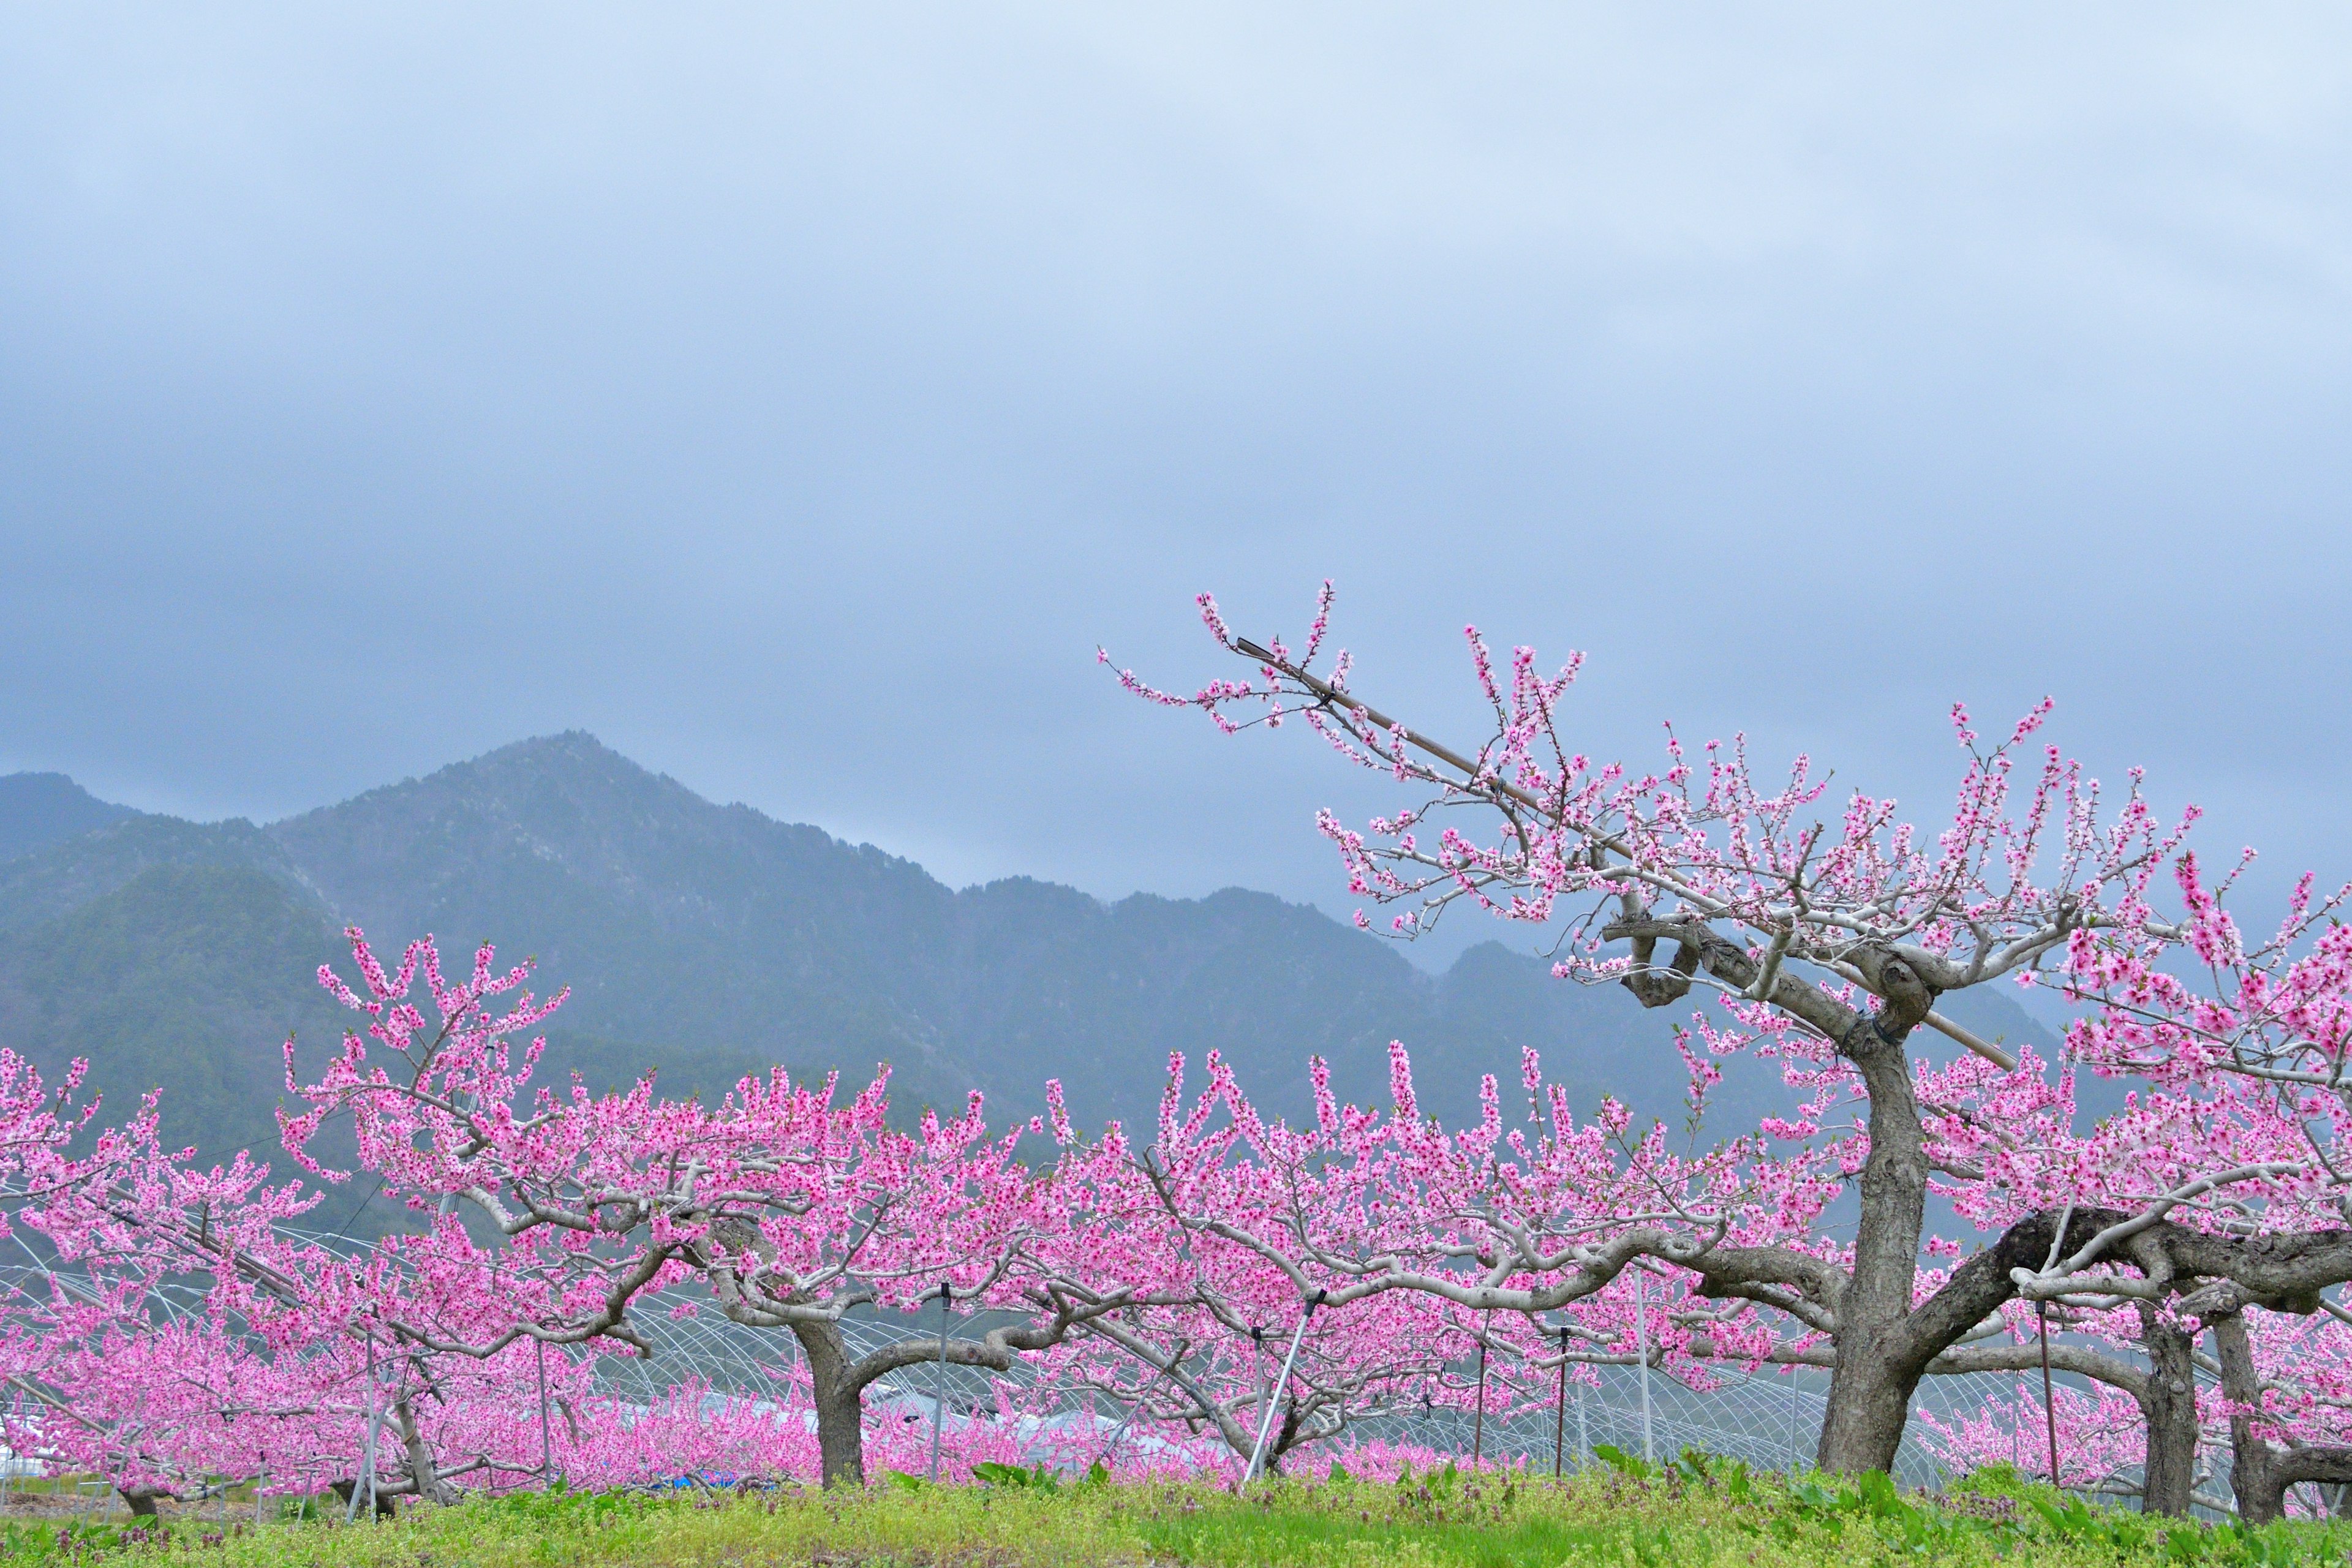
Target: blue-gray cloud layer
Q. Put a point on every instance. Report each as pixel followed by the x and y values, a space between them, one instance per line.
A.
pixel 796 397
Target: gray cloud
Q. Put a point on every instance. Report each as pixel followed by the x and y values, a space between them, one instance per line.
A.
pixel 796 397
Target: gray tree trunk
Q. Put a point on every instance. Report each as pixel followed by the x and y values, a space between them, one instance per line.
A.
pixel 2260 1497
pixel 1874 1376
pixel 840 1405
pixel 343 1490
pixel 2169 1404
pixel 424 1474
pixel 2260 1474
pixel 1881 1351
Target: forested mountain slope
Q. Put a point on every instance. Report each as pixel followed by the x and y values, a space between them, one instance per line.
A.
pixel 710 941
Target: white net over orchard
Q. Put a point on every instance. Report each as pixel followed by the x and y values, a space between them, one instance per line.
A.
pixel 1769 1420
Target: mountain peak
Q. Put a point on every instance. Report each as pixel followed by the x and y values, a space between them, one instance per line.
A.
pixel 569 756
pixel 37 810
pixel 571 764
pixel 565 746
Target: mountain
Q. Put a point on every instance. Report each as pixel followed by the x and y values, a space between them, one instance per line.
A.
pixel 37 810
pixel 710 941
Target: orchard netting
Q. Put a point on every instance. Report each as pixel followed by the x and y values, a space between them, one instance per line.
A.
pixel 734 1399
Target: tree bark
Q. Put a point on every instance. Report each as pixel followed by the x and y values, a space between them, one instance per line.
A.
pixel 1870 1386
pixel 838 1383
pixel 2260 1497
pixel 343 1490
pixel 1877 1365
pixel 840 1405
pixel 424 1475
pixel 2260 1474
pixel 2170 1405
pixel 1881 1344
pixel 1871 1383
pixel 141 1500
pixel 2329 1466
pixel 1902 1347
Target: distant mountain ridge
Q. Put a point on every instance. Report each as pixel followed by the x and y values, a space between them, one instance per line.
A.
pixel 710 941
pixel 37 810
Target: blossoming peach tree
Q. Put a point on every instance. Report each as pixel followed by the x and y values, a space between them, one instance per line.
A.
pixel 792 1207
pixel 1825 935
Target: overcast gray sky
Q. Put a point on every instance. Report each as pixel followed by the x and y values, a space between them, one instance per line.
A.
pixel 796 397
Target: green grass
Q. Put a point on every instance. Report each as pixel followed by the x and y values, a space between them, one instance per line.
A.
pixel 1690 1515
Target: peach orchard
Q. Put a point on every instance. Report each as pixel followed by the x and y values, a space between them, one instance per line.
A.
pixel 1238 1296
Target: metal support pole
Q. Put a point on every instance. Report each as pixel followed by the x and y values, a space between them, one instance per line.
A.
pixel 1258 1367
pixel 1583 1433
pixel 367 1460
pixel 1119 1431
pixel 546 1441
pixel 1560 1416
pixel 939 1384
pixel 1642 1334
pixel 1478 1431
pixel 2049 1401
pixel 1796 1458
pixel 375 1454
pixel 1266 1422
pixel 375 1432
